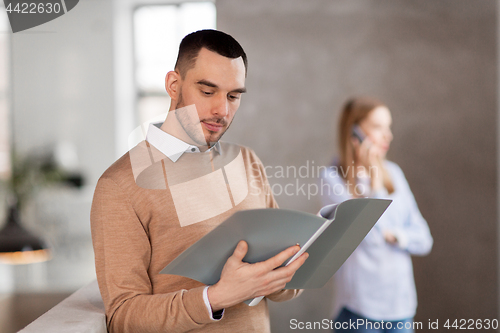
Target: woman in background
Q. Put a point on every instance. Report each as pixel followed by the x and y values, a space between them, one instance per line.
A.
pixel 376 282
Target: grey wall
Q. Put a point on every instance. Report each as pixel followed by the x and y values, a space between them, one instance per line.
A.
pixel 434 63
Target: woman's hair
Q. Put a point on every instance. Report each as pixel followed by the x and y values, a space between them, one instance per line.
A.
pixel 354 111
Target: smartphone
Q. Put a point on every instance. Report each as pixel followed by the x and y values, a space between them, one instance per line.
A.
pixel 358 133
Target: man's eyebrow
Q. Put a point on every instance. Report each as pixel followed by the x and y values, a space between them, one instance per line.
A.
pixel 207 83
pixel 240 90
pixel 213 85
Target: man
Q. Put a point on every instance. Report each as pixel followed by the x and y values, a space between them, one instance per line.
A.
pixel 172 189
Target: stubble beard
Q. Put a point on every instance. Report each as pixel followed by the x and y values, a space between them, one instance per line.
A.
pixel 193 129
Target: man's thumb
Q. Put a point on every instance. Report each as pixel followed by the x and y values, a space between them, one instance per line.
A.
pixel 241 250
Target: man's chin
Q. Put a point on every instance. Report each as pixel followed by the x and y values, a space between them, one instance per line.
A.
pixel 213 138
pixel 212 141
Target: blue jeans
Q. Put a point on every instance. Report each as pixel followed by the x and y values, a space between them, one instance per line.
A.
pixel 349 322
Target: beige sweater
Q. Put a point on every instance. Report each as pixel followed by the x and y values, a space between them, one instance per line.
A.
pixel 137 231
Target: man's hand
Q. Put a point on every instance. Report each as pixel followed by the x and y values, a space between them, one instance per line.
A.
pixel 240 281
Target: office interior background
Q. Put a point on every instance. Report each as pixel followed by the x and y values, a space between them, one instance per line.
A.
pixel 76 88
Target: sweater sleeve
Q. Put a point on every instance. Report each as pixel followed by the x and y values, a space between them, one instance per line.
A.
pixel 122 256
pixel 284 295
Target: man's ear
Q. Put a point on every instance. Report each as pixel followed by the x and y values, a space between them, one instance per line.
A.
pixel 172 84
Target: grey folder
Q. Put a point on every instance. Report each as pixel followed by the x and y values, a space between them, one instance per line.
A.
pixel 339 231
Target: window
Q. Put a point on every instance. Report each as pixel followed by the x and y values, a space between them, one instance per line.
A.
pixel 4 96
pixel 158 30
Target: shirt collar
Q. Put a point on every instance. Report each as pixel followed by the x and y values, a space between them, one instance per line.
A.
pixel 171 146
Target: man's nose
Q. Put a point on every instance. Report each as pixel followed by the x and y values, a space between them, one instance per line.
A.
pixel 220 107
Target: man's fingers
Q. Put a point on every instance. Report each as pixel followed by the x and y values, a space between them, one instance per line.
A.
pixel 283 275
pixel 289 271
pixel 241 250
pixel 298 262
pixel 295 265
pixel 280 258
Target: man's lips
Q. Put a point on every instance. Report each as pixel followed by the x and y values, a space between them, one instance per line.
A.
pixel 212 127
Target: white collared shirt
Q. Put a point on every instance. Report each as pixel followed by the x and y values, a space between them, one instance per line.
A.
pixel 171 146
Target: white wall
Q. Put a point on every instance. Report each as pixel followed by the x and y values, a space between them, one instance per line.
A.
pixel 63 90
pixel 63 85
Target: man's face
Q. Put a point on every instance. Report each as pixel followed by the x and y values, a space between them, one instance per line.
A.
pixel 215 85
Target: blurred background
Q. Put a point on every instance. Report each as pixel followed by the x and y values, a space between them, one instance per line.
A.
pixel 74 89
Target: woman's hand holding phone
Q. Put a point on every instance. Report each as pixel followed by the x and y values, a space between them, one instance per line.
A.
pixel 367 155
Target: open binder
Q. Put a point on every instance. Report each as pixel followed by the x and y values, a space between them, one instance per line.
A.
pixel 329 237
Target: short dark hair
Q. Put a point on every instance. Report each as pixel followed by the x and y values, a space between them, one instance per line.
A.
pixel 213 40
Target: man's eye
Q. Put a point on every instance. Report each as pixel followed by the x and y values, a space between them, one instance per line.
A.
pixel 233 97
pixel 207 93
